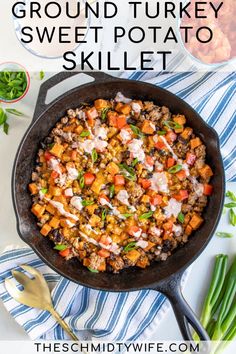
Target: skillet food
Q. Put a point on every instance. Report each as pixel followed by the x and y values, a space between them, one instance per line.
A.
pixel 120 183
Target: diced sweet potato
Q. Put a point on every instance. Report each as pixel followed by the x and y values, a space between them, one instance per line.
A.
pixel 147 127
pixel 86 262
pixel 91 208
pixel 54 222
pixel 188 230
pixel 55 191
pixel 102 266
pixel 119 106
pixel 187 133
pixel 94 220
pixel 126 109
pixel 38 210
pixel 205 172
pixel 180 119
pixel 57 150
pixel 112 168
pixel 143 262
pixel 45 229
pixel 133 255
pixel 150 245
pixel 145 198
pixel 98 183
pixel 196 222
pixel 79 129
pixel 33 188
pixel 121 121
pixel 100 104
pixel 50 209
pixel 194 143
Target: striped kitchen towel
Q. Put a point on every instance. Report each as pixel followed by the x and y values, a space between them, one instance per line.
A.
pixel 126 316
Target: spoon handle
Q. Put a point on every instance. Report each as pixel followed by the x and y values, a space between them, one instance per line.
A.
pixel 63 324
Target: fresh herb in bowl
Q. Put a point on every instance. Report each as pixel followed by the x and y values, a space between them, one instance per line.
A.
pixel 13 85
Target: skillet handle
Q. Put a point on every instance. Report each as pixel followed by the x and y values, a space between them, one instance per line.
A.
pixel 183 313
pixel 41 105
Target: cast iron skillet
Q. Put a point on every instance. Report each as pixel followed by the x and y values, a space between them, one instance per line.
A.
pixel 165 276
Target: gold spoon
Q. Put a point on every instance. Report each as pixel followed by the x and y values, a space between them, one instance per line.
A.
pixel 35 294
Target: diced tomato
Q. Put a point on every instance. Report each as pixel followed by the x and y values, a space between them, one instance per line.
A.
pixel 170 162
pixel 190 158
pixel 54 174
pixel 182 195
pixel 103 197
pixel 119 180
pixel 104 240
pixel 207 189
pixel 156 200
pixel 159 145
pixel 145 183
pixel 88 178
pixel 104 253
pixel 121 121
pixel 65 253
pixel 171 137
pixel 134 230
pixel 149 160
pixel 48 156
pixel 181 175
pixel 92 114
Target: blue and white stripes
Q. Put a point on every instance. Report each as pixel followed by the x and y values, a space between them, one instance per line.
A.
pixel 127 316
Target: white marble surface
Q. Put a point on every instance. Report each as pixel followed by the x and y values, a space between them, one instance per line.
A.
pixel 200 273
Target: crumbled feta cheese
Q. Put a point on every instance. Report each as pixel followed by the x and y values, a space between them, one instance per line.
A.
pixel 61 180
pixel 87 146
pixel 121 98
pixel 153 208
pixel 142 244
pixel 177 229
pixel 185 168
pixel 125 136
pixel 72 173
pixel 54 165
pixel 123 197
pixel 159 166
pixel 76 202
pixel 152 126
pixel 155 231
pixel 136 107
pixel 138 233
pixel 69 192
pixel 159 182
pixel 198 187
pixel 173 208
pixel 59 206
pixel 135 148
pixel 70 224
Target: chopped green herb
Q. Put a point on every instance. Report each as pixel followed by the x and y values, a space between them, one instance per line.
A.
pixel 104 113
pixel 173 125
pixel 146 215
pixel 5 127
pixel 93 270
pixel 161 132
pixel 175 169
pixel 12 84
pixel 41 75
pixel 44 190
pixel 112 191
pixel 81 182
pixel 85 133
pixel 232 217
pixel 104 214
pixel 127 215
pixel 231 195
pixel 14 112
pixel 128 172
pixel 60 247
pixel 3 116
pixel 131 246
pixel 94 155
pixel 224 235
pixel 181 217
pixel 134 162
pixel 87 202
pixel 230 205
pixel 136 131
